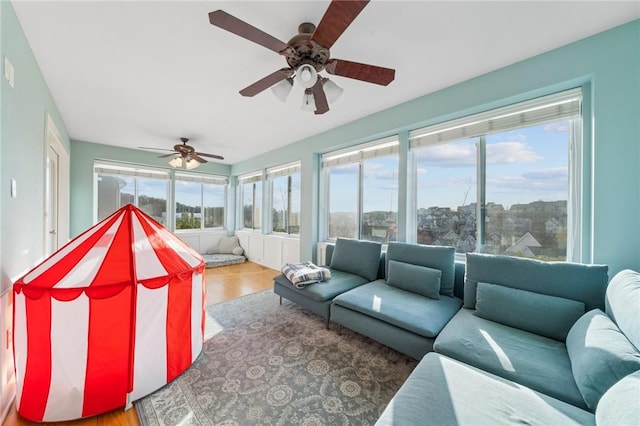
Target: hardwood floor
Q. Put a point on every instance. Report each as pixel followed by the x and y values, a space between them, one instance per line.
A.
pixel 224 283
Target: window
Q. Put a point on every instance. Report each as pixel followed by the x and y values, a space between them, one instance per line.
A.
pixel 499 182
pixel 120 185
pixel 200 201
pixel 362 191
pixel 250 200
pixel 285 198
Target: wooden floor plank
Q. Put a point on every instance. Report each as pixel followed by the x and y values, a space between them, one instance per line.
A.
pixel 223 283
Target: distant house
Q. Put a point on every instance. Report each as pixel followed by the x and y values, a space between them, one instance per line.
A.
pixel 522 246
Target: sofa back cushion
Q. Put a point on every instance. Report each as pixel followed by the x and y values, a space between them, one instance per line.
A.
pixel 600 355
pixel 619 405
pixel 541 314
pixel 416 279
pixel 583 283
pixel 357 257
pixel 622 304
pixel 435 257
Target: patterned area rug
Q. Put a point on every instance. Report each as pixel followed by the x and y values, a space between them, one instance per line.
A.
pixel 267 364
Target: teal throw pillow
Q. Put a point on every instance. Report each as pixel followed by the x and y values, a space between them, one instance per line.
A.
pixel 541 314
pixel 600 355
pixel 357 257
pixel 416 279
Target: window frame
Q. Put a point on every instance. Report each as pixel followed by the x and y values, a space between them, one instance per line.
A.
pixel 273 173
pixel 170 175
pixel 565 104
pixel 202 179
pixel 242 180
pixel 357 155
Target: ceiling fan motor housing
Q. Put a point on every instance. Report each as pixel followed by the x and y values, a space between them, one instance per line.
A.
pixel 306 51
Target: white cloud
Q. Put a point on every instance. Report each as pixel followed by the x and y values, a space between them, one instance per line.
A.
pixel 510 153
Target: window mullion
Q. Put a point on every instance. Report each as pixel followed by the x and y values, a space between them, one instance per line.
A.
pixel 288 215
pixel 482 204
pixel 360 213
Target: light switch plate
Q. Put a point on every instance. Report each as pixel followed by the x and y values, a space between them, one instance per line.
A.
pixel 9 72
pixel 14 188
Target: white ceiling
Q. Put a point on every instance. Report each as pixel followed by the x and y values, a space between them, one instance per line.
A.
pixel 142 73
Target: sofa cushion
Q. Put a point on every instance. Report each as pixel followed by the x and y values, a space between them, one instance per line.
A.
pixel 526 358
pixel 228 244
pixel 327 290
pixel 619 405
pixel 600 355
pixel 357 257
pixel 547 316
pixel 420 315
pixel 622 301
pixel 416 279
pixel 443 391
pixel 436 257
pixel 584 283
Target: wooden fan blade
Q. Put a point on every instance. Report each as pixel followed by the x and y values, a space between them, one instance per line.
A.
pixel 217 157
pixel 266 82
pixel 335 21
pixel 168 155
pixel 199 159
pixel 154 149
pixel 322 105
pixel 222 19
pixel 364 72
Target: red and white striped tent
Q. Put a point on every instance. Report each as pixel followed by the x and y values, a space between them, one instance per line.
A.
pixel 112 316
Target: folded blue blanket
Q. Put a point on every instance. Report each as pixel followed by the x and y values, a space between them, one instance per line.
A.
pixel 305 273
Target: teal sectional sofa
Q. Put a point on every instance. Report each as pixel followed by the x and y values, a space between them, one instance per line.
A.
pixel 352 263
pixel 407 309
pixel 517 353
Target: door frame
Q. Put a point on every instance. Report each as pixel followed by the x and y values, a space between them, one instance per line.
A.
pixel 53 140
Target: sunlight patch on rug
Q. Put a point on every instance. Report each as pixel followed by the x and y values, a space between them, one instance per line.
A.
pixel 272 364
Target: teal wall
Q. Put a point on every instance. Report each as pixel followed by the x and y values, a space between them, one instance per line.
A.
pixel 22 153
pixel 607 65
pixel 83 156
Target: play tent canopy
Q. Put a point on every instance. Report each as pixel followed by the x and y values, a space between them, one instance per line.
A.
pixel 110 317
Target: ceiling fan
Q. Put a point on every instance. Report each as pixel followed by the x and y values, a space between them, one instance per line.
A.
pixel 185 155
pixel 307 53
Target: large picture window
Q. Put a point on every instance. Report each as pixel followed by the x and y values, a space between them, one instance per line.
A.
pixel 250 196
pixel 500 182
pixel 362 191
pixel 200 201
pixel 285 198
pixel 118 185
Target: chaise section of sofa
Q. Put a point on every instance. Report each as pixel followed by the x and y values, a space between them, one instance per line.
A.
pixel 443 391
pixel 352 263
pixel 516 317
pixel 602 355
pixel 408 309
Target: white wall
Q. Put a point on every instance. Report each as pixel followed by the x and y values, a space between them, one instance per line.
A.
pixel 271 251
pixel 202 241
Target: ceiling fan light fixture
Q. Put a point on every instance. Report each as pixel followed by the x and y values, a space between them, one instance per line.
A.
pixel 282 89
pixel 332 90
pixel 176 161
pixel 308 101
pixel 306 76
pixel 191 164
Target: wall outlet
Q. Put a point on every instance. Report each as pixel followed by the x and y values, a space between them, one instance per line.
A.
pixel 9 72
